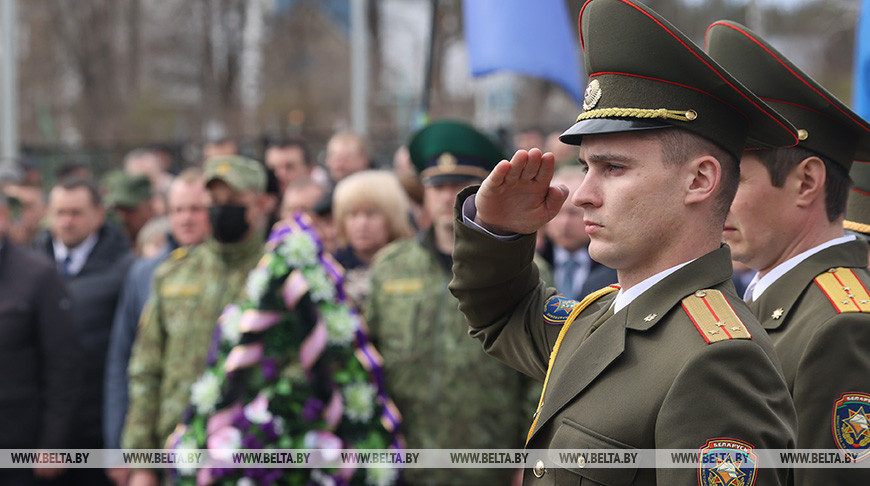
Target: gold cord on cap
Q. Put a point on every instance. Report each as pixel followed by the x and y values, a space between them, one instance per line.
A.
pixel 684 115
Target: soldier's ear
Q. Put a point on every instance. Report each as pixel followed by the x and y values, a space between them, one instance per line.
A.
pixel 703 175
pixel 809 177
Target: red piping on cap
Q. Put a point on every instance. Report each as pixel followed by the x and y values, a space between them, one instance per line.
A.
pixel 627 2
pixel 779 60
pixel 675 84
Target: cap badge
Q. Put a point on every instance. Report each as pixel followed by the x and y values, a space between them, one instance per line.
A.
pixel 223 169
pixel 592 95
pixel 447 162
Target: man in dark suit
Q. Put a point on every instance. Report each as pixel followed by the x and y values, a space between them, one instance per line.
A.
pixel 810 293
pixel 575 273
pixel 39 356
pixel 673 358
pixel 94 258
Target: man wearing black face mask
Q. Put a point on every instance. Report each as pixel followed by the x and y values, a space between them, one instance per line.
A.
pixel 189 291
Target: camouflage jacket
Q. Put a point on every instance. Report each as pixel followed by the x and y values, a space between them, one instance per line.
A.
pixel 451 394
pixel 188 293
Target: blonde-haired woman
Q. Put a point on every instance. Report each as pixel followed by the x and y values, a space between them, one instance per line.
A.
pixel 370 209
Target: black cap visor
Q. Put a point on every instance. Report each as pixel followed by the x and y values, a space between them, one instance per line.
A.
pixel 600 126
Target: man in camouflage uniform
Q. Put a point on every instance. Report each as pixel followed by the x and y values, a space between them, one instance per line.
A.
pixel 188 293
pixel 450 393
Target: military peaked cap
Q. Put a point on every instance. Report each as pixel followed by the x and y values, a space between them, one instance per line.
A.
pixel 824 124
pixel 452 151
pixel 858 207
pixel 645 74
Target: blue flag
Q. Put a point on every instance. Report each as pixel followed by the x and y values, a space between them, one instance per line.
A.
pixel 527 37
pixel 861 68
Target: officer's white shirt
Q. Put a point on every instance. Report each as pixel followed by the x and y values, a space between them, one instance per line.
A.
pixel 757 285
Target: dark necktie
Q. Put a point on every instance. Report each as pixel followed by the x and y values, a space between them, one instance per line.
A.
pixel 566 285
pixel 65 268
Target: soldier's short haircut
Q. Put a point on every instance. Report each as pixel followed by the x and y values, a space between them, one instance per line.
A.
pixel 779 162
pixel 72 183
pixel 679 146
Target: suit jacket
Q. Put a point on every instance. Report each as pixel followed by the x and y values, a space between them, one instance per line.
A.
pixel 825 353
pixel 94 292
pixel 646 378
pixel 599 277
pixel 39 353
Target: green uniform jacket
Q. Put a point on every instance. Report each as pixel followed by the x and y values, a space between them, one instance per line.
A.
pixel 646 378
pixel 188 293
pixel 450 393
pixel 824 353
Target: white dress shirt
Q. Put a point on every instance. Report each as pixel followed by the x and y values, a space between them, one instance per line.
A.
pixel 759 284
pixel 78 255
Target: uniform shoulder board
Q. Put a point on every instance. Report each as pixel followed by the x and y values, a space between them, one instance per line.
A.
pixel 558 308
pixel 844 289
pixel 714 317
pixel 179 253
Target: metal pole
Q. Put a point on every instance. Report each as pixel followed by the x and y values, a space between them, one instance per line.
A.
pixel 359 66
pixel 427 76
pixel 8 83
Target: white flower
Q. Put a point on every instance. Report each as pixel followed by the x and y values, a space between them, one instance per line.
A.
pixel 223 442
pixel 359 401
pixel 230 330
pixel 246 482
pixel 321 479
pixel 187 444
pixel 257 283
pixel 381 476
pixel 258 410
pixel 319 284
pixel 204 394
pixel 340 325
pixel 298 250
pixel 278 425
pixel 328 445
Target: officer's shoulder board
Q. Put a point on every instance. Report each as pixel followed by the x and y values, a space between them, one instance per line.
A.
pixel 178 253
pixel 558 308
pixel 713 316
pixel 844 289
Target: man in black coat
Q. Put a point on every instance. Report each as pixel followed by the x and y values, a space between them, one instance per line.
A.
pixel 94 258
pixel 39 356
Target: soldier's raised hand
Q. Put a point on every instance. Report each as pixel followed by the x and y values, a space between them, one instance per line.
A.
pixel 517 197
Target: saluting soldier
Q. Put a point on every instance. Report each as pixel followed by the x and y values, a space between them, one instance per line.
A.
pixel 451 394
pixel 810 293
pixel 671 358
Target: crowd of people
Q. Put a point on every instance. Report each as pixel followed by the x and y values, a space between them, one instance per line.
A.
pixel 142 262
pixel 604 292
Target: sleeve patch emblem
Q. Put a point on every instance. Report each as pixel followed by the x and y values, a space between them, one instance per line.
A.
pixel 727 462
pixel 557 309
pixel 850 426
